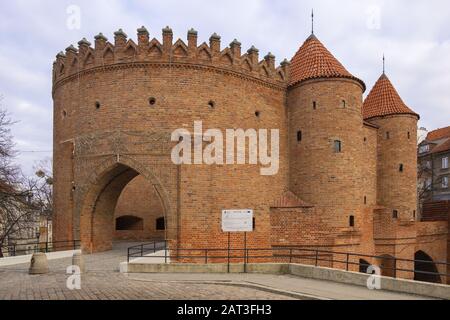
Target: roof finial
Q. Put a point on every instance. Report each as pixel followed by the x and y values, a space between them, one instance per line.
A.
pixel 312 21
pixel 384 64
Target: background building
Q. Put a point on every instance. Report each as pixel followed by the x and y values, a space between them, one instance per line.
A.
pixel 434 167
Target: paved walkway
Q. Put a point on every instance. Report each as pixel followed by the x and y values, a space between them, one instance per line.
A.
pixel 290 285
pixel 103 281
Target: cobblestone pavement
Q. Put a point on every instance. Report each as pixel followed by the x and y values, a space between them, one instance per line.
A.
pixel 102 281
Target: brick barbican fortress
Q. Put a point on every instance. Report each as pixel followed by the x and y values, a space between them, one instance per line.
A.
pixel 348 168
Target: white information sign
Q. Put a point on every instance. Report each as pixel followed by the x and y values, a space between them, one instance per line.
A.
pixel 237 220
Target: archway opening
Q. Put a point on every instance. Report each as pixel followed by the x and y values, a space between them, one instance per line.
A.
pixel 121 204
pixel 425 269
pixel 388 265
pixel 363 266
pixel 140 198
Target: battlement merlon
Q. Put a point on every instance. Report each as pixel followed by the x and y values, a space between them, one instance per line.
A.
pixel 147 50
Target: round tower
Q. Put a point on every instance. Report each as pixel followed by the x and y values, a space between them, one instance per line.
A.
pixel 325 137
pixel 117 108
pixel 397 148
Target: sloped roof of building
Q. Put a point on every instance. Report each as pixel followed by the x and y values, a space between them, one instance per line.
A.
pixel 384 100
pixel 439 134
pixel 445 146
pixel 439 140
pixel 314 61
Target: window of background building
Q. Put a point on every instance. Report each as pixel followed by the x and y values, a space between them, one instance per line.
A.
pixel 428 183
pixel 445 163
pixel 445 182
pixel 299 136
pixel 424 149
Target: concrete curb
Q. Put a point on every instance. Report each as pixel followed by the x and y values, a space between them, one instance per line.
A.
pixel 244 284
pixel 305 271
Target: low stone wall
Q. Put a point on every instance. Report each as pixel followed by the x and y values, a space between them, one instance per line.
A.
pixel 360 279
pixel 11 261
pixel 304 271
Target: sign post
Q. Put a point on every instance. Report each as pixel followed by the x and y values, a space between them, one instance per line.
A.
pixel 237 221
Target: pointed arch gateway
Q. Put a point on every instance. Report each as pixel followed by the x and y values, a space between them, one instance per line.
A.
pixel 95 219
pixel 425 269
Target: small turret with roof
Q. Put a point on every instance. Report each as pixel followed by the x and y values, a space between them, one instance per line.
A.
pixel 397 147
pixel 384 100
pixel 314 61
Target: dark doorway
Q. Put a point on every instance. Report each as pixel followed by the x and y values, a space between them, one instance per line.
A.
pixel 363 266
pixel 160 224
pixel 388 266
pixel 129 223
pixel 425 269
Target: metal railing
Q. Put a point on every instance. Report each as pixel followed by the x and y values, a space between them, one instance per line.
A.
pixel 18 249
pixel 143 250
pixel 333 259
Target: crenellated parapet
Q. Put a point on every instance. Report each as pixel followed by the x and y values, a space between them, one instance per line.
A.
pixel 123 50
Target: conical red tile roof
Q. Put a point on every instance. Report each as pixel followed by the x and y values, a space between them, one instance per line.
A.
pixel 313 61
pixel 384 100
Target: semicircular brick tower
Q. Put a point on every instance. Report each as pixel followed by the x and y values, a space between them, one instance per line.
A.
pixel 115 108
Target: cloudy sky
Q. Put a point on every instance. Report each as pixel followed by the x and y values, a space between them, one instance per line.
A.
pixel 414 35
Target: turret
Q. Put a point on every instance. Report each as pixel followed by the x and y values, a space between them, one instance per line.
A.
pixel 325 133
pixel 397 148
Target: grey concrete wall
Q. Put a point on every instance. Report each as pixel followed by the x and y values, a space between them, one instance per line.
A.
pixel 360 279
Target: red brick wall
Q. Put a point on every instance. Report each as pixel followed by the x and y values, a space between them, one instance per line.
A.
pixel 63 195
pixel 127 129
pixel 330 181
pixel 397 190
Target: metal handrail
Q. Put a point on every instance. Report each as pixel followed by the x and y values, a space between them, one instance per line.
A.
pixel 44 247
pixel 141 251
pixel 291 253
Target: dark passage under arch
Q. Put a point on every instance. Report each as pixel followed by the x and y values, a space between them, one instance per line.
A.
pixel 129 223
pixel 363 266
pixel 425 269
